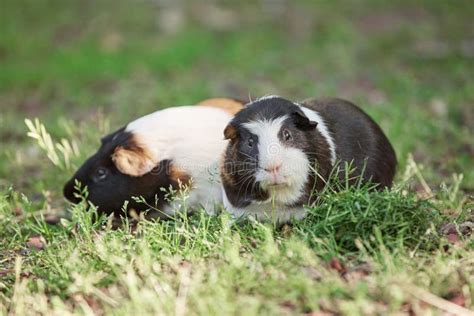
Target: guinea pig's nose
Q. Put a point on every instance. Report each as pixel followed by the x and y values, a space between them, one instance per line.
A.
pixel 273 168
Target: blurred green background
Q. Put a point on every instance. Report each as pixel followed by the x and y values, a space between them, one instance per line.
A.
pixel 85 68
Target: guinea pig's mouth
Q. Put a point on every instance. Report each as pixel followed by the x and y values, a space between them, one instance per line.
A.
pixel 274 185
pixel 277 184
pixel 273 181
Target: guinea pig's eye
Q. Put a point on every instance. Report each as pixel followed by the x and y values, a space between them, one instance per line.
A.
pixel 100 174
pixel 287 135
pixel 250 142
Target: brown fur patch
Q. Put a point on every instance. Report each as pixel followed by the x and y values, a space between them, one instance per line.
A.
pixel 133 159
pixel 179 175
pixel 231 106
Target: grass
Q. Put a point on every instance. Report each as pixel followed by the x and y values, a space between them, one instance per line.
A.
pixel 201 265
pixel 85 69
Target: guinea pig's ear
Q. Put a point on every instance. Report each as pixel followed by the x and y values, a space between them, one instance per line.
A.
pixel 302 121
pixel 230 132
pixel 133 161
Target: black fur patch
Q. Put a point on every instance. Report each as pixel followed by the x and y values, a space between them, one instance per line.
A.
pixel 241 161
pixel 358 140
pixel 110 193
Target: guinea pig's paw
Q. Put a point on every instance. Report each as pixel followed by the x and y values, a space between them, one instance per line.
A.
pixel 132 161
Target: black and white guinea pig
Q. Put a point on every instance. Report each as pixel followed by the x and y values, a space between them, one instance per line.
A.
pixel 277 146
pixel 156 151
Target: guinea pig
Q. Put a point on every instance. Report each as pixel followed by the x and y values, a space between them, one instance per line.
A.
pixel 281 153
pixel 170 148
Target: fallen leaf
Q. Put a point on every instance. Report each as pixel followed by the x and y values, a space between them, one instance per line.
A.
pixel 454 233
pixel 453 239
pixel 448 228
pixel 52 219
pixel 12 272
pixel 457 298
pixel 253 242
pixel 7 271
pixel 18 211
pixel 288 305
pixel 36 242
pixel 94 304
pixel 185 264
pixel 464 228
pixel 336 264
pixel 358 272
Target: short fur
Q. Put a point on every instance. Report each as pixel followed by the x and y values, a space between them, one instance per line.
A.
pixel 274 179
pixel 156 152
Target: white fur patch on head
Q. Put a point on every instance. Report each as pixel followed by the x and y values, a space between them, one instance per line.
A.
pixel 322 129
pixel 191 137
pixel 189 134
pixel 269 146
pixel 293 166
pixel 267 97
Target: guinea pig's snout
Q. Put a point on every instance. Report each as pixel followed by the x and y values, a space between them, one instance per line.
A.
pixel 273 173
pixel 69 191
pixel 273 168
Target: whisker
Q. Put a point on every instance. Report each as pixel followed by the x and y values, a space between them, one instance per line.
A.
pixel 251 186
pixel 248 178
pixel 247 155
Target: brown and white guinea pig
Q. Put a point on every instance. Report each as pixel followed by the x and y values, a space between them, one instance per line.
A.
pixel 277 146
pixel 154 152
